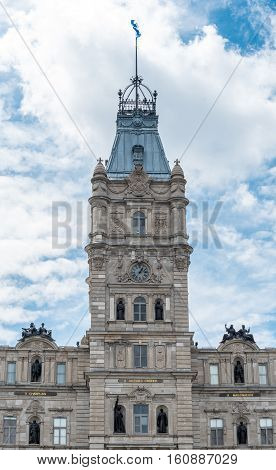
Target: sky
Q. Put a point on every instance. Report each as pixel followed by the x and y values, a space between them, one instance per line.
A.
pixel 213 65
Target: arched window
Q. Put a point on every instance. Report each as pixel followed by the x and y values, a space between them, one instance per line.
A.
pixel 238 371
pixel 139 223
pixel 162 422
pixel 36 369
pixel 140 309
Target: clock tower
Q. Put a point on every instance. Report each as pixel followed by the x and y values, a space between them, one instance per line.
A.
pixel 140 375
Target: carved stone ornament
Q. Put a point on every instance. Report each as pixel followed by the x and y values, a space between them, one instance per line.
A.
pixel 117 226
pixel 97 262
pixel 138 182
pixel 160 357
pixel 237 346
pixel 241 408
pixel 140 395
pixel 181 263
pixel 120 356
pixel 160 224
pixel 35 408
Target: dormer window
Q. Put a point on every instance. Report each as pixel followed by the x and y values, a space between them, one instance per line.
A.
pixel 139 223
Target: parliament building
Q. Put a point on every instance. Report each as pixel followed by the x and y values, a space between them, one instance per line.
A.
pixel 136 380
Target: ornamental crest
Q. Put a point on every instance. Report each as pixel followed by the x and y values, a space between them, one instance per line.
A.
pixel 140 394
pixel 138 182
pixel 241 407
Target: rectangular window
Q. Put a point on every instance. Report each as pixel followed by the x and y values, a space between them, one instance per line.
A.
pixel 140 356
pixel 262 374
pixel 60 428
pixel 140 313
pixel 214 374
pixel 61 373
pixel 141 413
pixel 266 431
pixel 216 432
pixel 11 372
pixel 9 434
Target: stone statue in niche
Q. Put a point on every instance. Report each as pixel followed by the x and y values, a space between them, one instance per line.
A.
pixel 242 433
pixel 34 432
pixel 36 371
pixel 120 310
pixel 159 310
pixel 238 373
pixel 162 421
pixel 119 424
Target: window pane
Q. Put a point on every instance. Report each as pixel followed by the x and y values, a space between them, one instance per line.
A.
pixel 61 371
pixel 263 436
pixel 269 433
pixel 63 440
pixel 214 374
pixel 138 223
pixel 11 372
pixel 262 374
pixel 137 424
pixel 9 434
pixel 63 422
pixel 220 437
pixel 213 437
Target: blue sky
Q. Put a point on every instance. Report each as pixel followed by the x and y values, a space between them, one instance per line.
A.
pixel 193 47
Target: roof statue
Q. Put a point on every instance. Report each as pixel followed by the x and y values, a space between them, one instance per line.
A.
pixel 243 333
pixel 33 331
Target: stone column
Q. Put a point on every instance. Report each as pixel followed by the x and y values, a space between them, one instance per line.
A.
pixel 97 411
pixel 184 411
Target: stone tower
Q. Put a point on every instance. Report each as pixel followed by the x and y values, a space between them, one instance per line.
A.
pixel 140 346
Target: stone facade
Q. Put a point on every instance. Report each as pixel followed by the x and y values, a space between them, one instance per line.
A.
pixel 139 351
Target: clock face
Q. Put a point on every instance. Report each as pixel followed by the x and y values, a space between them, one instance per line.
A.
pixel 140 272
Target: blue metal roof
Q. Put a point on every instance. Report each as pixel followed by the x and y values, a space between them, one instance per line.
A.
pixel 137 125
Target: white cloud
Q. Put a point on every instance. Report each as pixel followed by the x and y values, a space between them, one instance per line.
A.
pixel 87 53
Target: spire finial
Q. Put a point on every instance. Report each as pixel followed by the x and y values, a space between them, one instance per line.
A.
pixel 138 34
pixel 177 162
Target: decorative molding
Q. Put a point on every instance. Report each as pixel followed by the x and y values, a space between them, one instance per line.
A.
pixel 241 408
pixel 160 224
pixel 181 263
pixel 120 356
pixel 140 395
pixel 117 226
pixel 35 408
pixel 160 357
pixel 98 262
pixel 237 346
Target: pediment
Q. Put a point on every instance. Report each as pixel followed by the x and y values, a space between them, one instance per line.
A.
pixel 237 346
pixel 36 343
